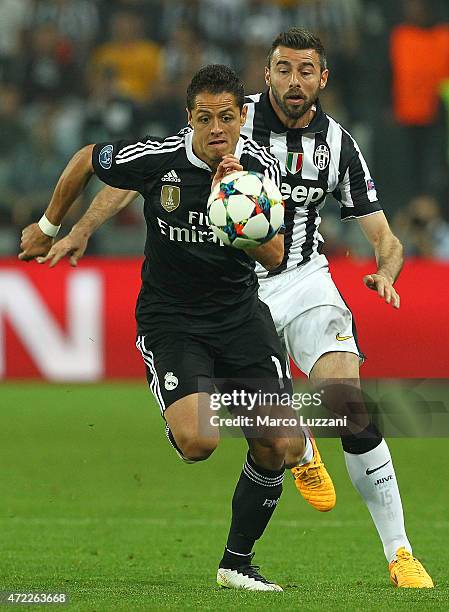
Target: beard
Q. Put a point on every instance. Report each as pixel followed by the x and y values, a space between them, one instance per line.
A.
pixel 294 111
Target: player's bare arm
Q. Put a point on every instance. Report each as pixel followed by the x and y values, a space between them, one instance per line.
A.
pixel 270 254
pixel 107 203
pixel 70 185
pixel 389 256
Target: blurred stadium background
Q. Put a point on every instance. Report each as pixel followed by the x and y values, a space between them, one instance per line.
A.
pixel 80 478
pixel 79 71
pixel 74 72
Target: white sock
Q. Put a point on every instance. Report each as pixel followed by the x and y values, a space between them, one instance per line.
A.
pixel 308 452
pixel 380 491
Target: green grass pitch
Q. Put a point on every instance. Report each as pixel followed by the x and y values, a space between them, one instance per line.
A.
pixel 94 502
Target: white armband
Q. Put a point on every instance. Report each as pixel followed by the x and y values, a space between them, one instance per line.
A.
pixel 48 228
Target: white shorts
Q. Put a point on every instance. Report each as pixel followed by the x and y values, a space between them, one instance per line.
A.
pixel 310 315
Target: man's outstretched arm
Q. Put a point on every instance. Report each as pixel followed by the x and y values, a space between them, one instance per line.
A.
pixel 107 203
pixel 37 238
pixel 389 256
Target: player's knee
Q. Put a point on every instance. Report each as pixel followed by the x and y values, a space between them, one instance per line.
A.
pixel 279 446
pixel 274 447
pixel 345 399
pixel 197 448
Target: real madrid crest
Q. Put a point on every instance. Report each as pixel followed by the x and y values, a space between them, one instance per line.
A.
pixel 170 197
pixel 322 157
pixel 170 381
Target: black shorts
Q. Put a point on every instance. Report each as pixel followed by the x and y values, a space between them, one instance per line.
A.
pixel 249 356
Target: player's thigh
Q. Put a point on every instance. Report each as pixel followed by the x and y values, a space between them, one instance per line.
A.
pixel 254 351
pixel 335 364
pixel 177 365
pixel 255 363
pixel 179 371
pixel 328 328
pixel 291 294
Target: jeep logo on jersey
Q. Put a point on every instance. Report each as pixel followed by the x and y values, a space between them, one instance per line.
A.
pixel 294 162
pixel 170 197
pixel 301 194
pixel 322 157
pixel 105 157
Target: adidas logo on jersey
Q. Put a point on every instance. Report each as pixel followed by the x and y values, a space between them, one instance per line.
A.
pixel 171 176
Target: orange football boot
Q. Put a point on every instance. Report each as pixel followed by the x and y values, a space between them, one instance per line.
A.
pixel 314 483
pixel 408 572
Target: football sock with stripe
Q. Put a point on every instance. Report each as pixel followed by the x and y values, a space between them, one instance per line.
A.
pixel 308 451
pixel 371 470
pixel 255 499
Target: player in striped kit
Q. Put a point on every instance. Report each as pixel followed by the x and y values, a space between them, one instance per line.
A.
pixel 318 156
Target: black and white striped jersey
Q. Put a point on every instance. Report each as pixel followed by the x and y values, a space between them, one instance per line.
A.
pixel 187 271
pixel 317 160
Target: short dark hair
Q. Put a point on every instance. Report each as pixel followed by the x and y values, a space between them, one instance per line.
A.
pixel 215 79
pixel 298 38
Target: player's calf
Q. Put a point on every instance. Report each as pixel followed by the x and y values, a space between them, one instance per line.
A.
pixel 256 497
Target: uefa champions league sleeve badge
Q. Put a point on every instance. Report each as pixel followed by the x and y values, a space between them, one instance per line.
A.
pixel 105 157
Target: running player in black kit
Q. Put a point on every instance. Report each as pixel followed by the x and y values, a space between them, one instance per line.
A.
pixel 198 314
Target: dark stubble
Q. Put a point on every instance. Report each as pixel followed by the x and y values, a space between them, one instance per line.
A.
pixel 294 111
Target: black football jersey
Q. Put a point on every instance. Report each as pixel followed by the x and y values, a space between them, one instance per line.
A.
pixel 187 271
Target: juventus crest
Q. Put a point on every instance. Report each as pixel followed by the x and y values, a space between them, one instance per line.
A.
pixel 322 157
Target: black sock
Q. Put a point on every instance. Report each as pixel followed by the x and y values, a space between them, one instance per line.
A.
pixel 255 499
pixel 362 442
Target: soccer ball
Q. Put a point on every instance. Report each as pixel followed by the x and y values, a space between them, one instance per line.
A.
pixel 245 209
